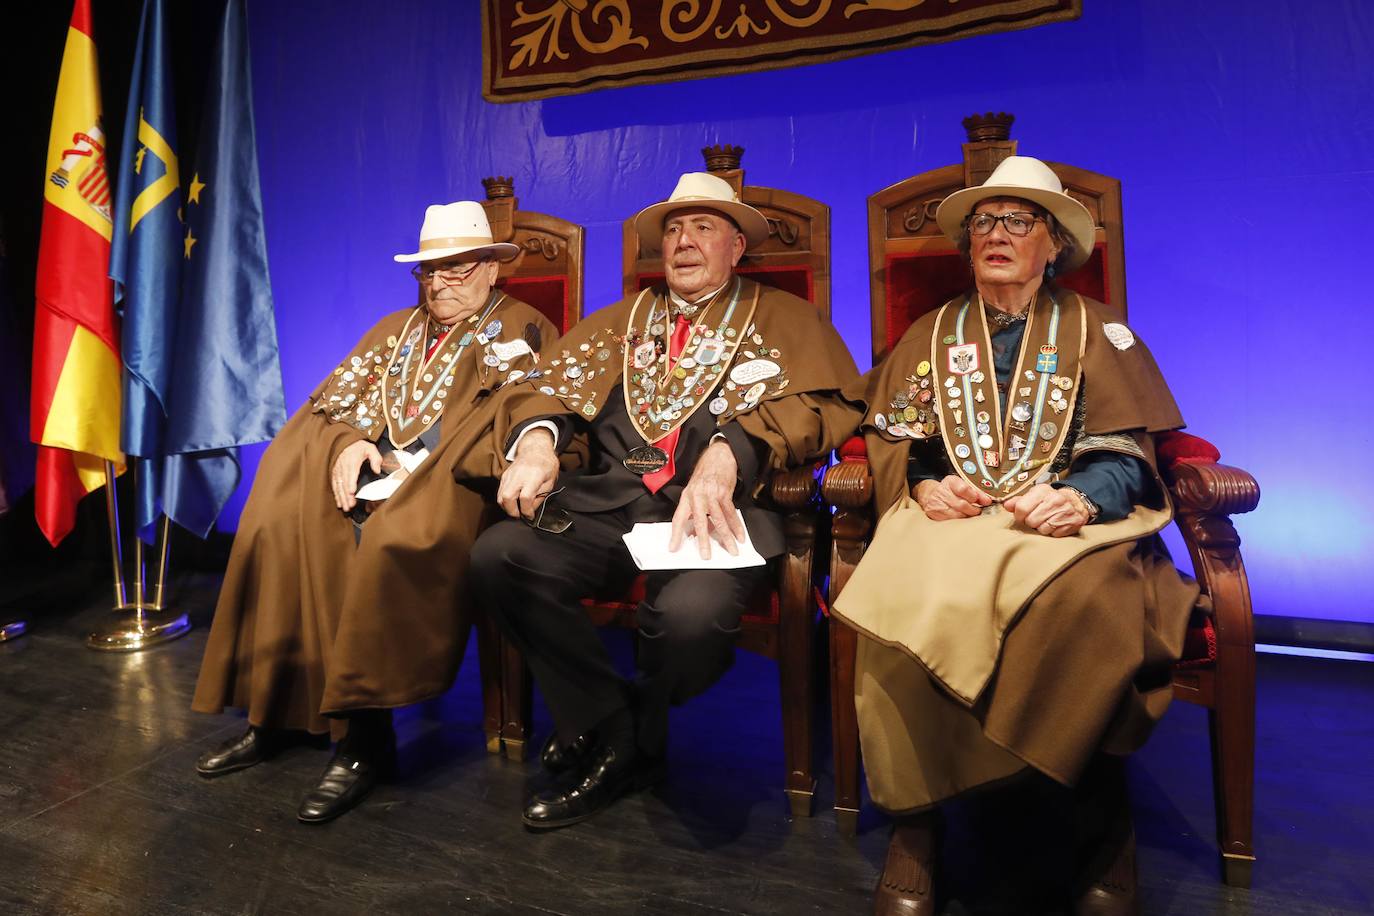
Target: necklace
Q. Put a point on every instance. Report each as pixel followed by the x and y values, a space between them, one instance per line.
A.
pixel 1002 319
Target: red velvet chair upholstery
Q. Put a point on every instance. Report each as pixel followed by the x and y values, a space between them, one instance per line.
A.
pixel 915 269
pixel 780 624
pixel 547 274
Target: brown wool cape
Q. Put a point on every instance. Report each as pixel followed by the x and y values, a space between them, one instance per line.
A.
pixel 988 648
pixel 796 411
pixel 310 622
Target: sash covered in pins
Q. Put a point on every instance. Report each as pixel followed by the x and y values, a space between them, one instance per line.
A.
pixel 419 383
pixel 662 392
pixel 1000 455
pixel 398 386
pixel 730 363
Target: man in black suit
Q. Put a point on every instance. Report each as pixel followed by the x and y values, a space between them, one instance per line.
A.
pixel 683 398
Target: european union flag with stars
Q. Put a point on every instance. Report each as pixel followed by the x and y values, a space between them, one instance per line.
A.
pixel 227 387
pixel 202 375
pixel 145 258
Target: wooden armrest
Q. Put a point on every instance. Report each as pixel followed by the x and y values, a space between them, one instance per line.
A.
pixel 794 488
pixel 848 485
pixel 1212 489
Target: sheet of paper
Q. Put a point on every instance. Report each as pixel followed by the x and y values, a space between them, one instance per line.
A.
pixel 648 544
pixel 381 489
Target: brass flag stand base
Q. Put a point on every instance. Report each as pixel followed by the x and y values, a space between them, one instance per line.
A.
pixel 140 624
pixel 139 630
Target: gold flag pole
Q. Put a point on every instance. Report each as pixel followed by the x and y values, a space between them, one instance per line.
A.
pixel 165 546
pixel 130 632
pixel 116 548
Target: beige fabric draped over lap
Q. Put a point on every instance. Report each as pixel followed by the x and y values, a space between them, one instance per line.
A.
pixel 310 622
pixel 988 648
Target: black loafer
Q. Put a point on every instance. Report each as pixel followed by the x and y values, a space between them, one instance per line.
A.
pixel 607 778
pixel 249 749
pixel 344 783
pixel 558 759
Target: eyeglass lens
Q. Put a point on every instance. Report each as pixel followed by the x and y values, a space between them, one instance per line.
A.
pixel 549 518
pixel 449 275
pixel 1016 223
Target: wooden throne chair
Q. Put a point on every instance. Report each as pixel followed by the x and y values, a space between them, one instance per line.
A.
pixel 913 268
pixel 780 623
pixel 547 274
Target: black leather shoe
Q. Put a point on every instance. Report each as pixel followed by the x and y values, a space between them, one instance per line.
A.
pixel 345 782
pixel 558 759
pixel 249 749
pixel 1113 875
pixel 607 778
pixel 906 886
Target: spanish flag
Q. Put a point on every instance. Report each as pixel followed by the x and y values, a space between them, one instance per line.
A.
pixel 76 383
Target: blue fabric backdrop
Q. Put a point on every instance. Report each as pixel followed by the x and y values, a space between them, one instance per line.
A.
pixel 1243 133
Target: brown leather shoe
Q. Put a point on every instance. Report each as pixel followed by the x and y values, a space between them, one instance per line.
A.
pixel 907 886
pixel 1110 879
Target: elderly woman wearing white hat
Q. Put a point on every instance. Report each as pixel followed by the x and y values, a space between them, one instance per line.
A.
pixel 1020 613
pixel 340 603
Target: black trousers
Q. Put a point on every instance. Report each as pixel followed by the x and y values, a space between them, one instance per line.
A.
pixel 532 582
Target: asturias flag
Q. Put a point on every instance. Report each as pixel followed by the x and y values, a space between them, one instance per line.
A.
pixel 226 388
pixel 75 407
pixel 146 258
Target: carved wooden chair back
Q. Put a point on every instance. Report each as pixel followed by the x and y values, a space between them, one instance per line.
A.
pixel 795 258
pixel 548 272
pixel 913 269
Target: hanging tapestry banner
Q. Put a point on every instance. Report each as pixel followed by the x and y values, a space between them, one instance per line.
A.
pixel 534 49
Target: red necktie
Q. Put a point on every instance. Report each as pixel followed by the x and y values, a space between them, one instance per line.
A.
pixel 438 340
pixel 655 480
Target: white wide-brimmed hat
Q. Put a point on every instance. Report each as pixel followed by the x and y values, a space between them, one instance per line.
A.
pixel 457 228
pixel 1029 179
pixel 700 191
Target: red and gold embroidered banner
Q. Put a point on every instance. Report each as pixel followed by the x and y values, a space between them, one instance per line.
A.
pixel 538 48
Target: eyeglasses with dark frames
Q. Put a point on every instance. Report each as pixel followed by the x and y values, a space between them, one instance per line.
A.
pixel 1018 222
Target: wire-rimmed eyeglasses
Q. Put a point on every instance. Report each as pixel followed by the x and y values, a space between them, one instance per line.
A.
pixel 551 519
pixel 450 276
pixel 1017 222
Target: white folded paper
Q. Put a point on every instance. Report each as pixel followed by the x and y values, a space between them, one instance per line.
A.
pixel 379 490
pixel 648 544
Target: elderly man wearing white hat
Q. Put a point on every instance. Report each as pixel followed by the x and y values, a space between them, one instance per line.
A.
pixel 1011 438
pixel 684 397
pixel 341 602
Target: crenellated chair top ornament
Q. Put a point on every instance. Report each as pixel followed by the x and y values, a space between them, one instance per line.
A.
pixel 498 187
pixel 722 157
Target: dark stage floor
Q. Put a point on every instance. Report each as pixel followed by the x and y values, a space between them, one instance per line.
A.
pixel 101 812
